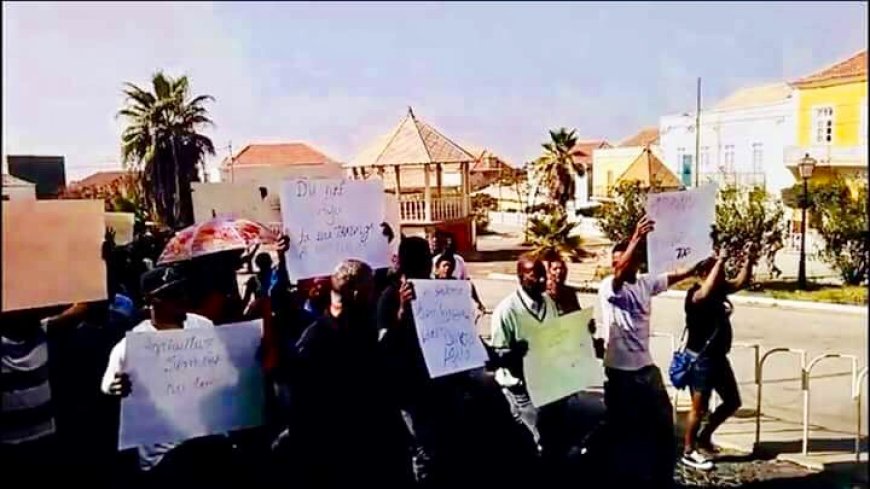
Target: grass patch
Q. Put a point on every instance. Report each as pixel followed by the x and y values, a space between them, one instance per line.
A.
pixel 836 294
pixel 788 290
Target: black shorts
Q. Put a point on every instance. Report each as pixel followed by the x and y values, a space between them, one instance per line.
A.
pixel 714 373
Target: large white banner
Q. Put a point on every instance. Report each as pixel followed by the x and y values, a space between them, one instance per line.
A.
pixel 561 358
pixel 444 316
pixel 332 220
pixel 191 383
pixel 683 223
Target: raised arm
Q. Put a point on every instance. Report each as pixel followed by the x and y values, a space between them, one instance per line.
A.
pixel 716 275
pixel 683 273
pixel 622 267
pixel 283 280
pixel 744 277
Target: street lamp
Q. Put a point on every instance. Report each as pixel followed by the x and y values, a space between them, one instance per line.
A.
pixel 805 168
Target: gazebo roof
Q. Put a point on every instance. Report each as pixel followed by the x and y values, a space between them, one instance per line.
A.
pixel 412 142
pixel 646 168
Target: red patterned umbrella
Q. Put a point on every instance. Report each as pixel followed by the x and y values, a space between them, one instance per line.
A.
pixel 214 236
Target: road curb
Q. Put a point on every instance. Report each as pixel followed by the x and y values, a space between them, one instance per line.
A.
pixel 735 299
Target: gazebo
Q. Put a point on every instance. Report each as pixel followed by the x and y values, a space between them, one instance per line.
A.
pixel 649 171
pixel 428 173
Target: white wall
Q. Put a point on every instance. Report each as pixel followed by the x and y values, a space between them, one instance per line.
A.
pixel 20 192
pixel 771 125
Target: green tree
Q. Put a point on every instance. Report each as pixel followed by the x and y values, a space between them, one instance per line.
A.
pixel 742 216
pixel 749 216
pixel 618 217
pixel 842 216
pixel 557 169
pixel 162 142
pixel 551 233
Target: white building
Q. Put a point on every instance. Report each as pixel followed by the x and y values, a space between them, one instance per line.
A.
pixel 17 189
pixel 742 142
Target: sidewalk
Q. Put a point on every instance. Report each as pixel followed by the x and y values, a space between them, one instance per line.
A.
pixel 782 440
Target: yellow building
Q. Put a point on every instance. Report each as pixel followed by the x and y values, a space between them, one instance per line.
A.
pixel 832 120
pixel 611 163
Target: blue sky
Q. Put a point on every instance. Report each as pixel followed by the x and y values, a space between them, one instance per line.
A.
pixel 495 75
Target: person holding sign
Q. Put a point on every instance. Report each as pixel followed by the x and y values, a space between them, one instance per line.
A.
pixel 526 309
pixel 341 431
pixel 460 424
pixel 163 289
pixel 708 323
pixel 445 266
pixel 638 408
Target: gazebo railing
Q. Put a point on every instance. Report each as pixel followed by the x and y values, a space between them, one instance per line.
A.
pixel 413 208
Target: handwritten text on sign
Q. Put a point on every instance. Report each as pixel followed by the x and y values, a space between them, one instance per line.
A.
pixel 561 359
pixel 683 223
pixel 444 317
pixel 332 220
pixel 190 383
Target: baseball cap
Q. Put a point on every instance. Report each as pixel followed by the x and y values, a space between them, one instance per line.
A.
pixel 160 281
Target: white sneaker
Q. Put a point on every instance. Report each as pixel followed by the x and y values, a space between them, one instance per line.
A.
pixel 695 460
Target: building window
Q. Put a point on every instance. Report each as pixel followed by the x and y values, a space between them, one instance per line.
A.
pixel 680 153
pixel 728 158
pixel 757 157
pixel 823 125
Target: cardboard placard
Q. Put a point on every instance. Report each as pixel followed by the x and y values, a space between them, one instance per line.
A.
pixel 122 223
pixel 238 200
pixel 52 253
pixel 561 358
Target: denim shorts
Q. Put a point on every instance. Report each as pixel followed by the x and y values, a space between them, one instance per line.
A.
pixel 708 373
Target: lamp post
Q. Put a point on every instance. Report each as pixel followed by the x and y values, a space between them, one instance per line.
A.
pixel 805 168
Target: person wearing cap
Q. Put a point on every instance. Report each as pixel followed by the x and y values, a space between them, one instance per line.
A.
pixel 164 290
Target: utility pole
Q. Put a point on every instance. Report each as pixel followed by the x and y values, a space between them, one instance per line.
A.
pixel 698 135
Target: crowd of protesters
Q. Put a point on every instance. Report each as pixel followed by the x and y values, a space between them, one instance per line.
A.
pixel 350 402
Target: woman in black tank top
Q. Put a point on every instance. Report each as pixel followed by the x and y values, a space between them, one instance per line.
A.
pixel 708 321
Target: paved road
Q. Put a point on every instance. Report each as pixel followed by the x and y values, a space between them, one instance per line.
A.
pixel 815 332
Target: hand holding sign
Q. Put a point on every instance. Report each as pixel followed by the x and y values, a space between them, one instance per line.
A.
pixel 444 317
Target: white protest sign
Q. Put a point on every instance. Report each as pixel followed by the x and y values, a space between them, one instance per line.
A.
pixel 122 223
pixel 561 358
pixel 683 223
pixel 331 220
pixel 248 200
pixel 444 317
pixel 191 383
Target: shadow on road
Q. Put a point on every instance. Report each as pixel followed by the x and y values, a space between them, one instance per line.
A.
pixel 844 445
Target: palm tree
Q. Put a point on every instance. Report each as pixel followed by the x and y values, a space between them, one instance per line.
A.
pixel 161 142
pixel 557 168
pixel 551 234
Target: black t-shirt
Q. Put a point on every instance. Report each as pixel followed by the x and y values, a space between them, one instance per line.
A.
pixel 704 318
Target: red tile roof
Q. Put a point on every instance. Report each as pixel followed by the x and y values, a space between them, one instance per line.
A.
pixel 646 136
pixel 279 155
pixel 585 148
pixel 100 179
pixel 853 67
